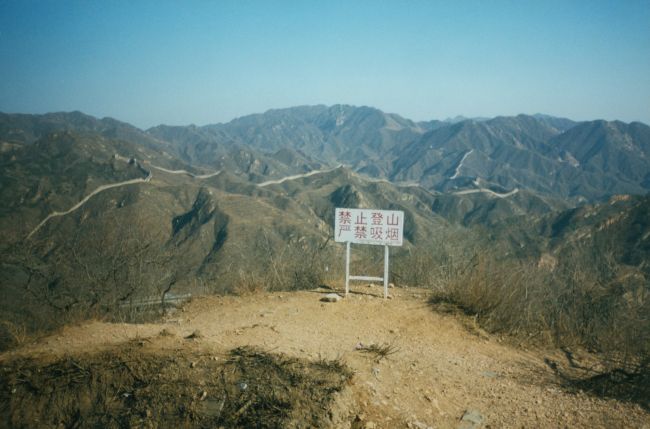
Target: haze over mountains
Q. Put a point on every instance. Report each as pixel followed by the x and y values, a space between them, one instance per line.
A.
pixel 187 206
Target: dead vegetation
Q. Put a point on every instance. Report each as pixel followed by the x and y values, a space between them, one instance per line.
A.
pixel 133 387
pixel 582 303
pixel 378 351
pixel 301 263
pixel 105 274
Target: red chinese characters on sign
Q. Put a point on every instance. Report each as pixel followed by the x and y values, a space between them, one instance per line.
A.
pixel 369 226
pixel 392 234
pixel 393 219
pixel 360 230
pixel 344 219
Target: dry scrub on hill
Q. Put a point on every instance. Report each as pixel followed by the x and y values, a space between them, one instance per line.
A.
pixel 133 387
pixel 296 265
pixel 595 304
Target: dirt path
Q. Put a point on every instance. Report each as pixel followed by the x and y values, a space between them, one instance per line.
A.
pixel 439 370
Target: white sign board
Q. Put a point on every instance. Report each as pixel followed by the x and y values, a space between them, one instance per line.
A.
pixel 369 226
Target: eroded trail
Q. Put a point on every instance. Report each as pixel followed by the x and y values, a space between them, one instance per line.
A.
pixel 438 371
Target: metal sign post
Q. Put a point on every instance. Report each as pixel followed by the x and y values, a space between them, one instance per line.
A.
pixel 366 226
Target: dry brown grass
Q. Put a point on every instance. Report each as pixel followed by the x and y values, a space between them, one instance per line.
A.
pixel 12 334
pixel 379 351
pixel 133 387
pixel 296 265
pixel 575 305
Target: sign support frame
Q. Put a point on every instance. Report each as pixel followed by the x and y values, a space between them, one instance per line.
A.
pixel 348 277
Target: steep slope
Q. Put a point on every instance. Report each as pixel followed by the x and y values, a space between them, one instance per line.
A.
pixel 616 154
pixel 55 172
pixel 489 208
pixel 610 237
pixel 508 152
pixel 618 229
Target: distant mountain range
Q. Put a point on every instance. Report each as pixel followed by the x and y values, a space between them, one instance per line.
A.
pixel 82 196
pixel 555 157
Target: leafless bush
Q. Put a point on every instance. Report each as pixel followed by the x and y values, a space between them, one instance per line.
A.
pixel 12 334
pixel 279 265
pixel 95 273
pixel 379 351
pixel 583 302
pixel 436 264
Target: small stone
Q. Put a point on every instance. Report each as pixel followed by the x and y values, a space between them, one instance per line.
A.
pixel 192 364
pixel 194 335
pixel 370 425
pixel 391 284
pixel 471 419
pixel 331 297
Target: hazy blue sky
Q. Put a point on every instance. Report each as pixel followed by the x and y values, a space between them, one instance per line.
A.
pixel 210 61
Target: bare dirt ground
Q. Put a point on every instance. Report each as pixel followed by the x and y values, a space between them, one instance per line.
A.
pixel 439 369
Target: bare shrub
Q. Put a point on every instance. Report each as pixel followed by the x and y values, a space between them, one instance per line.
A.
pixel 586 301
pixel 248 282
pixel 274 265
pixel 437 263
pixel 379 351
pixel 12 334
pixel 94 273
